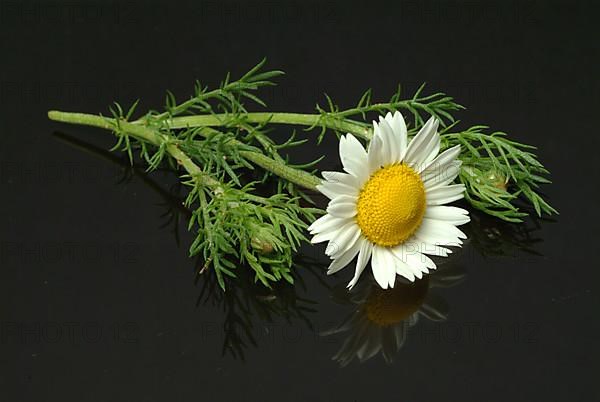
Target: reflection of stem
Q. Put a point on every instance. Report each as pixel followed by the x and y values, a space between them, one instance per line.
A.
pixel 176 208
pixel 175 202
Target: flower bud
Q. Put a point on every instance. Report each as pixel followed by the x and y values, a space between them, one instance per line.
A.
pixel 496 179
pixel 261 240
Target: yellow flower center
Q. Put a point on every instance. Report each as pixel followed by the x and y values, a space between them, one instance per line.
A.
pixel 391 306
pixel 391 205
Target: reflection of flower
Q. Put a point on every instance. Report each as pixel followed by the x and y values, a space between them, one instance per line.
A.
pixel 389 206
pixel 383 316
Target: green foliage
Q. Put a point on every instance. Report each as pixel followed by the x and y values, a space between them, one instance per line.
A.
pixel 419 106
pixel 227 98
pixel 234 226
pixel 497 171
pixel 227 151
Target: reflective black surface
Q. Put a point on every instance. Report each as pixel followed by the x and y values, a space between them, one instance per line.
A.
pixel 99 301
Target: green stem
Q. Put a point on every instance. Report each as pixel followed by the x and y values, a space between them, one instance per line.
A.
pixel 309 120
pixel 152 136
pixel 279 168
pixel 140 132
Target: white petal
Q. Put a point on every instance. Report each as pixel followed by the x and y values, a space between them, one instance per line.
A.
pixel 344 259
pixel 340 177
pixel 423 144
pixel 453 215
pixel 441 177
pixel 340 199
pixel 353 157
pixel 434 248
pixel 353 166
pixel 329 225
pixel 343 241
pixel 362 173
pixel 324 236
pixel 331 231
pixel 410 254
pixel 443 227
pixel 378 267
pixel 438 233
pixel 391 262
pixel 432 243
pixel 445 194
pixel 322 223
pixel 404 270
pixel 399 128
pixel 332 190
pixel 383 267
pixel 390 144
pixel 342 147
pixel 431 150
pixel 377 133
pixel 366 248
pixel 374 154
pixel 446 157
pixel 341 208
pixel 350 147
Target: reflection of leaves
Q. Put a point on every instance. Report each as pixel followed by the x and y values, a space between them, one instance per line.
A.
pixel 174 210
pixel 492 237
pixel 246 302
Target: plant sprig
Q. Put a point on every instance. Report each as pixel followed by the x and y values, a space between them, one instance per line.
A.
pixel 224 149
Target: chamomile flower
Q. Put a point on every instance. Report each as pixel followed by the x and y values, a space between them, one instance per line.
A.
pixel 388 205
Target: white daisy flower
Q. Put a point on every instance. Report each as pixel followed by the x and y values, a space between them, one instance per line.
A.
pixel 388 206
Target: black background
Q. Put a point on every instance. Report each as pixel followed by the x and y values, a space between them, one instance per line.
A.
pixel 98 303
